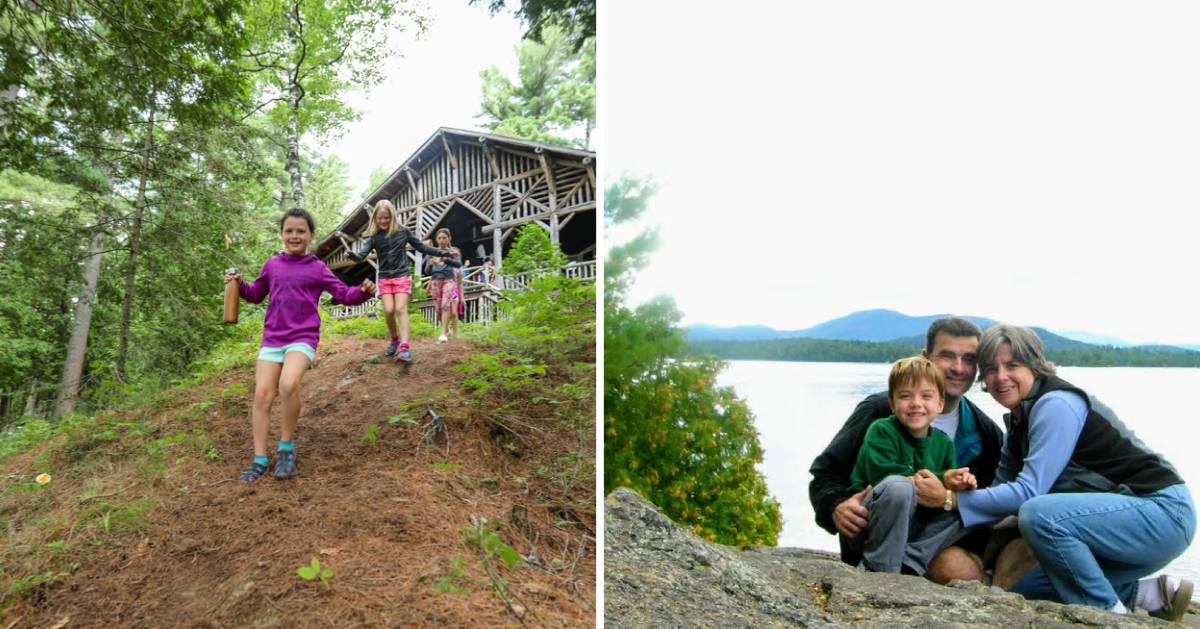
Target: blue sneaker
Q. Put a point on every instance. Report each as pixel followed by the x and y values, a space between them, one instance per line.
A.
pixel 285 464
pixel 252 473
pixel 391 350
pixel 404 356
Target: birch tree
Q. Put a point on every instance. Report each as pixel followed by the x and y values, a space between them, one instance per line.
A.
pixel 308 54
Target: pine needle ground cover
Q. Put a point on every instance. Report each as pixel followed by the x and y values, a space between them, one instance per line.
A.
pixel 483 517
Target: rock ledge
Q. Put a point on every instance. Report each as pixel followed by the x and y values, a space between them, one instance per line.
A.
pixel 659 574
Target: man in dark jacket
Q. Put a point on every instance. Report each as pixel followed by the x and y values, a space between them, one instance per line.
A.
pixel 950 343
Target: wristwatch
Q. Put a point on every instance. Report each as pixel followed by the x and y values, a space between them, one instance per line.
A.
pixel 949 504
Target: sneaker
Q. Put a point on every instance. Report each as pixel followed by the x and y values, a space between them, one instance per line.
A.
pixel 391 350
pixel 442 339
pixel 1176 603
pixel 252 473
pixel 285 464
pixel 404 356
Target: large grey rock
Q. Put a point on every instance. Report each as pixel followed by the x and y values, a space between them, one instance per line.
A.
pixel 657 574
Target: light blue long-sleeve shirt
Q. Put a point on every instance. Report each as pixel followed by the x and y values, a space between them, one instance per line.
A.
pixel 1055 423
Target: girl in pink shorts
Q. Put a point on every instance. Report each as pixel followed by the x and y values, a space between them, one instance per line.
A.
pixel 389 240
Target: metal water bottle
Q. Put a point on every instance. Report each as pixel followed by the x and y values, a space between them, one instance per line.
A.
pixel 232 296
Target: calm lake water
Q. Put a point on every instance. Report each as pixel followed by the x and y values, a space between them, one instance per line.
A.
pixel 799 406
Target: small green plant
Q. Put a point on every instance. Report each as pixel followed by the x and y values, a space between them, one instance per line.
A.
pixel 502 371
pixel 234 390
pixel 211 453
pixel 444 467
pixel 488 541
pixel 566 470
pixel 371 435
pixel 313 571
pixel 159 446
pixel 24 584
pixel 446 582
pixel 402 418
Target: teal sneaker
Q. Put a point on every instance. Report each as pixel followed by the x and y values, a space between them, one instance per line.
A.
pixel 252 473
pixel 285 464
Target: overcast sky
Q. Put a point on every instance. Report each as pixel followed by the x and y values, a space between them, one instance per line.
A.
pixel 1032 162
pixel 435 84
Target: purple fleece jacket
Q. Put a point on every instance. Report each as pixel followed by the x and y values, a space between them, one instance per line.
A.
pixel 295 284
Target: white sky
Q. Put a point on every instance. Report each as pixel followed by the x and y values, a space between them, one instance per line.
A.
pixel 435 84
pixel 1032 162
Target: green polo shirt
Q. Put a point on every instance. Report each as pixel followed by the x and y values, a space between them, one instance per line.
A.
pixel 889 450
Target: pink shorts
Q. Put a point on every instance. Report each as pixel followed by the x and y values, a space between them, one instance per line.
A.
pixel 443 293
pixel 396 285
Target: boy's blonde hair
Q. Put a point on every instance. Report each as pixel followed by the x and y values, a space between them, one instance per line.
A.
pixel 910 371
pixel 373 228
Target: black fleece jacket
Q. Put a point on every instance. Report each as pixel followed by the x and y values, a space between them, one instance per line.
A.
pixel 391 252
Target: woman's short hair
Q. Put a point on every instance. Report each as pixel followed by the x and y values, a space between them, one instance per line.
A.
pixel 1026 347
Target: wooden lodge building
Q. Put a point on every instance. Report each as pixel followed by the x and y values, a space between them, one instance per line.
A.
pixel 481 187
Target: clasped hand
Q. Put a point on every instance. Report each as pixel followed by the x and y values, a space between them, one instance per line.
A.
pixel 960 479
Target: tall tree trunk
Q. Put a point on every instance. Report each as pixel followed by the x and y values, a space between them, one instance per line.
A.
pixel 587 134
pixel 31 399
pixel 68 389
pixel 293 147
pixel 135 235
pixel 8 96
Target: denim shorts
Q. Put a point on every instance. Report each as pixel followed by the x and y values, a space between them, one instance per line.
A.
pixel 276 354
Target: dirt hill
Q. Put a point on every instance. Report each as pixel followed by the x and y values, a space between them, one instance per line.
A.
pixel 143 523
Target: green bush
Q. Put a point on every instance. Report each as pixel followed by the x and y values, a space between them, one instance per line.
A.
pixel 553 321
pixel 533 252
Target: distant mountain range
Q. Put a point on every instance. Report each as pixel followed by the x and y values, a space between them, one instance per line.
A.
pixel 890 326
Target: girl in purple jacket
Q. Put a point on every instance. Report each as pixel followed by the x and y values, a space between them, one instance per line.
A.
pixel 295 280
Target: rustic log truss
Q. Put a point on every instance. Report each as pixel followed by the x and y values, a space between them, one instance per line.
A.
pixel 503 182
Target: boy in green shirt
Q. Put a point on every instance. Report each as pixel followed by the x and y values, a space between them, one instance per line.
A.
pixel 899 534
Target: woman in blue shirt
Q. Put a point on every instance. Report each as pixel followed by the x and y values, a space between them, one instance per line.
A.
pixel 1099 509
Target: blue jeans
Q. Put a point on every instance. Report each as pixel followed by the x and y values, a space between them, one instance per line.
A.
pixel 1093 548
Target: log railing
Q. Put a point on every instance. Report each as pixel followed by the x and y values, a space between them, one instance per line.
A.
pixel 480 296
